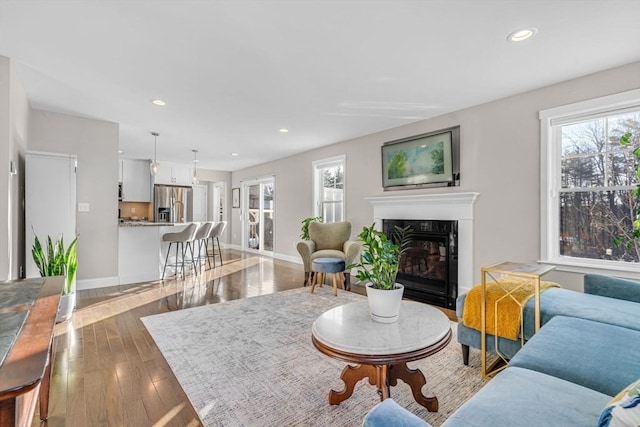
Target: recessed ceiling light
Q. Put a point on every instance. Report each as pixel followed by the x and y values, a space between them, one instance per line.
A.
pixel 234 154
pixel 522 34
pixel 283 130
pixel 159 102
pixel 120 151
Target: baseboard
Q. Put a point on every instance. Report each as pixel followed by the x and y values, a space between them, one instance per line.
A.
pixel 290 258
pixel 101 282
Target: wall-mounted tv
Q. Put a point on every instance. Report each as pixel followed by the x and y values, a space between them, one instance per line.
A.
pixel 428 160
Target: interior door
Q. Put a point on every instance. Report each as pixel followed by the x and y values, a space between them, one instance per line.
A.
pixel 259 216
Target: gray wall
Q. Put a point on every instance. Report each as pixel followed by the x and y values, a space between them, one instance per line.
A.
pixel 95 143
pixel 14 118
pixel 500 159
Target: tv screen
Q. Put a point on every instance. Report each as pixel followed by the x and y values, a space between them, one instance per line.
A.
pixel 428 160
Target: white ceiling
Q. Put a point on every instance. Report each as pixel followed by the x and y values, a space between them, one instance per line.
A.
pixel 234 72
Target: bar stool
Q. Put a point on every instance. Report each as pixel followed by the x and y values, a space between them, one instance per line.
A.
pixel 202 234
pixel 322 266
pixel 180 238
pixel 214 235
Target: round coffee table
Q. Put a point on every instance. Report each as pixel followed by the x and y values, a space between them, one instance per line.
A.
pixel 381 351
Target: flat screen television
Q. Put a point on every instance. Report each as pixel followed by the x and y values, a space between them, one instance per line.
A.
pixel 428 160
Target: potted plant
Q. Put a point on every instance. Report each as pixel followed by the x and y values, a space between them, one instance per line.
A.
pixel 378 266
pixel 304 235
pixel 56 260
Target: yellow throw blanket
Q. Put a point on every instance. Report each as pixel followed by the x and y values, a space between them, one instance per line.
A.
pixel 509 308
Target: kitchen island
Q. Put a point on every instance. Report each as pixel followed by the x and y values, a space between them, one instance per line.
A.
pixel 141 251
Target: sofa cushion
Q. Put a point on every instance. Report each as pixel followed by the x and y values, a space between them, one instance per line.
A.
pixel 595 355
pixel 612 287
pixel 624 409
pixel 389 413
pixel 524 398
pixel 563 302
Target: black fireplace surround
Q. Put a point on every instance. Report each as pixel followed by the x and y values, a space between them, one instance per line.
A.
pixel 429 267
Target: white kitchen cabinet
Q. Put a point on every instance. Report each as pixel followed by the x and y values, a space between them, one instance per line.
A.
pixel 136 181
pixel 173 174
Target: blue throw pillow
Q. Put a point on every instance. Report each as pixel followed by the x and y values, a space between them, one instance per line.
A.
pixel 624 409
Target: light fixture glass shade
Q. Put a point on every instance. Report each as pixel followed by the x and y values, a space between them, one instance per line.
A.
pixel 194 180
pixel 153 167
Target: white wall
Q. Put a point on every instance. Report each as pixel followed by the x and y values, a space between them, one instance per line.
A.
pixel 14 118
pixel 95 143
pixel 500 159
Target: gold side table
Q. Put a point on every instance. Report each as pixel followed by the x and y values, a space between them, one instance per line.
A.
pixel 528 272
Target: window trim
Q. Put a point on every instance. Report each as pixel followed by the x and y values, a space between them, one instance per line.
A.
pixel 550 174
pixel 340 160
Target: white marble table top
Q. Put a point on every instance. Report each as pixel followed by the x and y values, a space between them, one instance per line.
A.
pixel 349 328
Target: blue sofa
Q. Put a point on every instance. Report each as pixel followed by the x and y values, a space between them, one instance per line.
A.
pixel 565 374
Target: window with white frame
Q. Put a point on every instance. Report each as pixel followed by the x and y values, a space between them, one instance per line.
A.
pixel 329 189
pixel 588 182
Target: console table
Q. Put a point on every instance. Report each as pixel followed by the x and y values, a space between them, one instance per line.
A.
pixel 28 311
pixel 381 350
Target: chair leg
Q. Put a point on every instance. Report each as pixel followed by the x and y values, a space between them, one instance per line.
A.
pixel 347 281
pixel 194 262
pixel 307 277
pixel 219 251
pixel 314 280
pixel 182 251
pixel 465 354
pixel 206 251
pixel 335 285
pixel 166 259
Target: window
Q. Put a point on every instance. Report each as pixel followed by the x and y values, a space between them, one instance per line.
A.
pixel 329 189
pixel 588 183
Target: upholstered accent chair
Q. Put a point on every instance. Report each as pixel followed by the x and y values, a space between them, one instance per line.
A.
pixel 328 241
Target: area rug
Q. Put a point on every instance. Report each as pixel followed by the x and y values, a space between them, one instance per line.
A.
pixel 251 362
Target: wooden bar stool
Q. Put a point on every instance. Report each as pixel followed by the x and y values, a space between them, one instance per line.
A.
pixel 322 266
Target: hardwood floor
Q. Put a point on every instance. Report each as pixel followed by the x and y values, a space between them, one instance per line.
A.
pixel 107 370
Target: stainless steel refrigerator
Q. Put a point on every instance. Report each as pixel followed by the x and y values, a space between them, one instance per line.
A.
pixel 172 203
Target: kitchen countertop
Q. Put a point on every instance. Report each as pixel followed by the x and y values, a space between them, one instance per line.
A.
pixel 148 224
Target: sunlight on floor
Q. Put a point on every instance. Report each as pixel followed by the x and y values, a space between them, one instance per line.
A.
pixel 187 292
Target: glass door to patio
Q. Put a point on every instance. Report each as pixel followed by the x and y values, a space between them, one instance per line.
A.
pixel 258 217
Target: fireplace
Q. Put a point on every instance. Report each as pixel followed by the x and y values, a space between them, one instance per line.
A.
pixel 429 266
pixel 456 207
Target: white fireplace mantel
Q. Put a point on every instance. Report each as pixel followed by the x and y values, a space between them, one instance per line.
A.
pixel 445 207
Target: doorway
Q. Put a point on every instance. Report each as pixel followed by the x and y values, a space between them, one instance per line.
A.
pixel 258 206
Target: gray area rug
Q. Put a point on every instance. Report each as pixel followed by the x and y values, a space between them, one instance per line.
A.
pixel 251 362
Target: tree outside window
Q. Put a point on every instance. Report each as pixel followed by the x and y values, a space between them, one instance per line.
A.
pixel 329 189
pixel 596 183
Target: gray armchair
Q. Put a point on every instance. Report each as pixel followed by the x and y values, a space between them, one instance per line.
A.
pixel 328 241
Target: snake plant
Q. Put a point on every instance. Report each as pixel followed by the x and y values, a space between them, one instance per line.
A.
pixel 55 260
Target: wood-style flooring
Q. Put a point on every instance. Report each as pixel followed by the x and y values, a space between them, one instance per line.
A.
pixel 107 370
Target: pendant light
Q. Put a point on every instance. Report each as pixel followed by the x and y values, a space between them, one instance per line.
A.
pixel 154 165
pixel 194 180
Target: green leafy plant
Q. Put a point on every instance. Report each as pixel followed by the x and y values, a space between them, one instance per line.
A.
pixel 634 237
pixel 305 226
pixel 55 260
pixel 380 256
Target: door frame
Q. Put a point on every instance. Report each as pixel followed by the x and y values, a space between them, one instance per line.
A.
pixel 244 209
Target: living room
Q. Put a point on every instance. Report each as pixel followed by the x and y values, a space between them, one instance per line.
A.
pixel 500 159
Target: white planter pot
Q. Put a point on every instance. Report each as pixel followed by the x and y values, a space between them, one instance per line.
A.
pixel 384 305
pixel 66 306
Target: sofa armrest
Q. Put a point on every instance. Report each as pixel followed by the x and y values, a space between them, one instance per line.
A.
pixel 389 413
pixel 305 249
pixel 612 287
pixel 351 251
